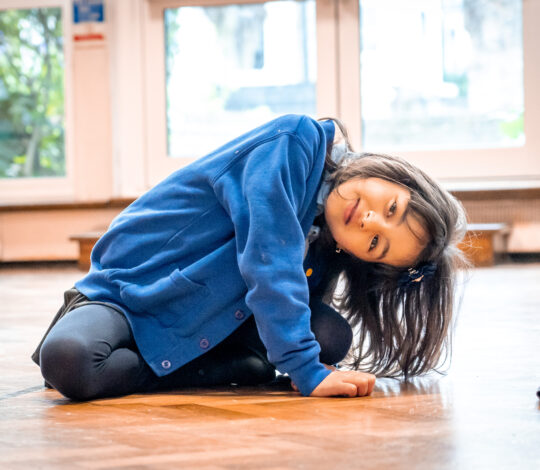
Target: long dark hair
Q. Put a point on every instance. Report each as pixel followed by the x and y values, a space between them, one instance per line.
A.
pixel 399 329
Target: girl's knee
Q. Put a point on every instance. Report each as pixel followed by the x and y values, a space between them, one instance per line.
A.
pixel 66 364
pixel 335 343
pixel 332 331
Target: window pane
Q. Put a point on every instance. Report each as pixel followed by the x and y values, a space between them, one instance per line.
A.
pixel 445 74
pixel 31 93
pixel 230 68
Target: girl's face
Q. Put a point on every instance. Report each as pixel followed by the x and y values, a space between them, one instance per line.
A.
pixel 368 218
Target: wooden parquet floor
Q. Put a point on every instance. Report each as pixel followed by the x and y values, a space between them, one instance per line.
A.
pixel 483 414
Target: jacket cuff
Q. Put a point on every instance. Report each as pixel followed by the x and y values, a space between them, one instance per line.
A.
pixel 307 377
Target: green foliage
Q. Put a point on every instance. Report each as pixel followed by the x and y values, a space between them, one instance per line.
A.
pixel 31 93
pixel 513 128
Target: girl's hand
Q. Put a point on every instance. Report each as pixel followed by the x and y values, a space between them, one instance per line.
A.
pixel 345 383
pixel 295 388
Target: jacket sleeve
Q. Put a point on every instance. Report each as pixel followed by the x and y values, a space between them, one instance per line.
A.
pixel 263 191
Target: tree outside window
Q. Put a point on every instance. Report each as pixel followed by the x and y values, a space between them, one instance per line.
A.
pixel 31 93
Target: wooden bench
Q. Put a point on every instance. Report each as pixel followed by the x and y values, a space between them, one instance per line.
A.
pixel 485 244
pixel 86 242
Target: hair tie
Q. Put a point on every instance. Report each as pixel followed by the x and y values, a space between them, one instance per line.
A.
pixel 413 276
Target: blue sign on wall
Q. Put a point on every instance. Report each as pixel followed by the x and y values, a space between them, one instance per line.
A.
pixel 86 11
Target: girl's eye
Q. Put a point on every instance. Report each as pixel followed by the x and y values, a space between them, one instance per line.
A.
pixel 374 242
pixel 392 209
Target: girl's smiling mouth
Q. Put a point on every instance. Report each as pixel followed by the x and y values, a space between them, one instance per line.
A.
pixel 349 212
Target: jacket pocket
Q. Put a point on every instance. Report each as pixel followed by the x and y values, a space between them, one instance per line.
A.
pixel 170 299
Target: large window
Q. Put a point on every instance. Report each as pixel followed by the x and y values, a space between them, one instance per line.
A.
pixel 231 67
pixel 441 74
pixel 450 85
pixel 216 69
pixel 36 102
pixel 31 93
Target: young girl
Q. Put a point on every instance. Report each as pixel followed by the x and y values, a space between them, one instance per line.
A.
pixel 224 271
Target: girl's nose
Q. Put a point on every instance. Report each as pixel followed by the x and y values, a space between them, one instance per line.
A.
pixel 367 219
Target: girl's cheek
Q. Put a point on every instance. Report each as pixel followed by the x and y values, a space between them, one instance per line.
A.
pixel 352 242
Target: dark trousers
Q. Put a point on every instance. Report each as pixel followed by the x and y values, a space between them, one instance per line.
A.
pixel 90 353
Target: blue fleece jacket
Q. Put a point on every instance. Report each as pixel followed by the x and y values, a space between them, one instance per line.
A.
pixel 217 241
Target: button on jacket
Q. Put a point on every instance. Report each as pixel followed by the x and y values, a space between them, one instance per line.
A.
pixel 221 235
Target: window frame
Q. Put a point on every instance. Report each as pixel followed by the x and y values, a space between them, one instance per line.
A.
pixel 338 28
pixel 158 163
pixel 59 188
pixel 138 157
pixel 479 168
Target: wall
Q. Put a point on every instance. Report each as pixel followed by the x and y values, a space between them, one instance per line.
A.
pixel 110 160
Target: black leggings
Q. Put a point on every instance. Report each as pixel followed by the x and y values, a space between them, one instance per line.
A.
pixel 90 353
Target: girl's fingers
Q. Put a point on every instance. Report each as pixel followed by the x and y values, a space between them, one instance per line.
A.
pixel 371 384
pixel 362 388
pixel 346 389
pixel 363 382
pixel 346 383
pixel 338 388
